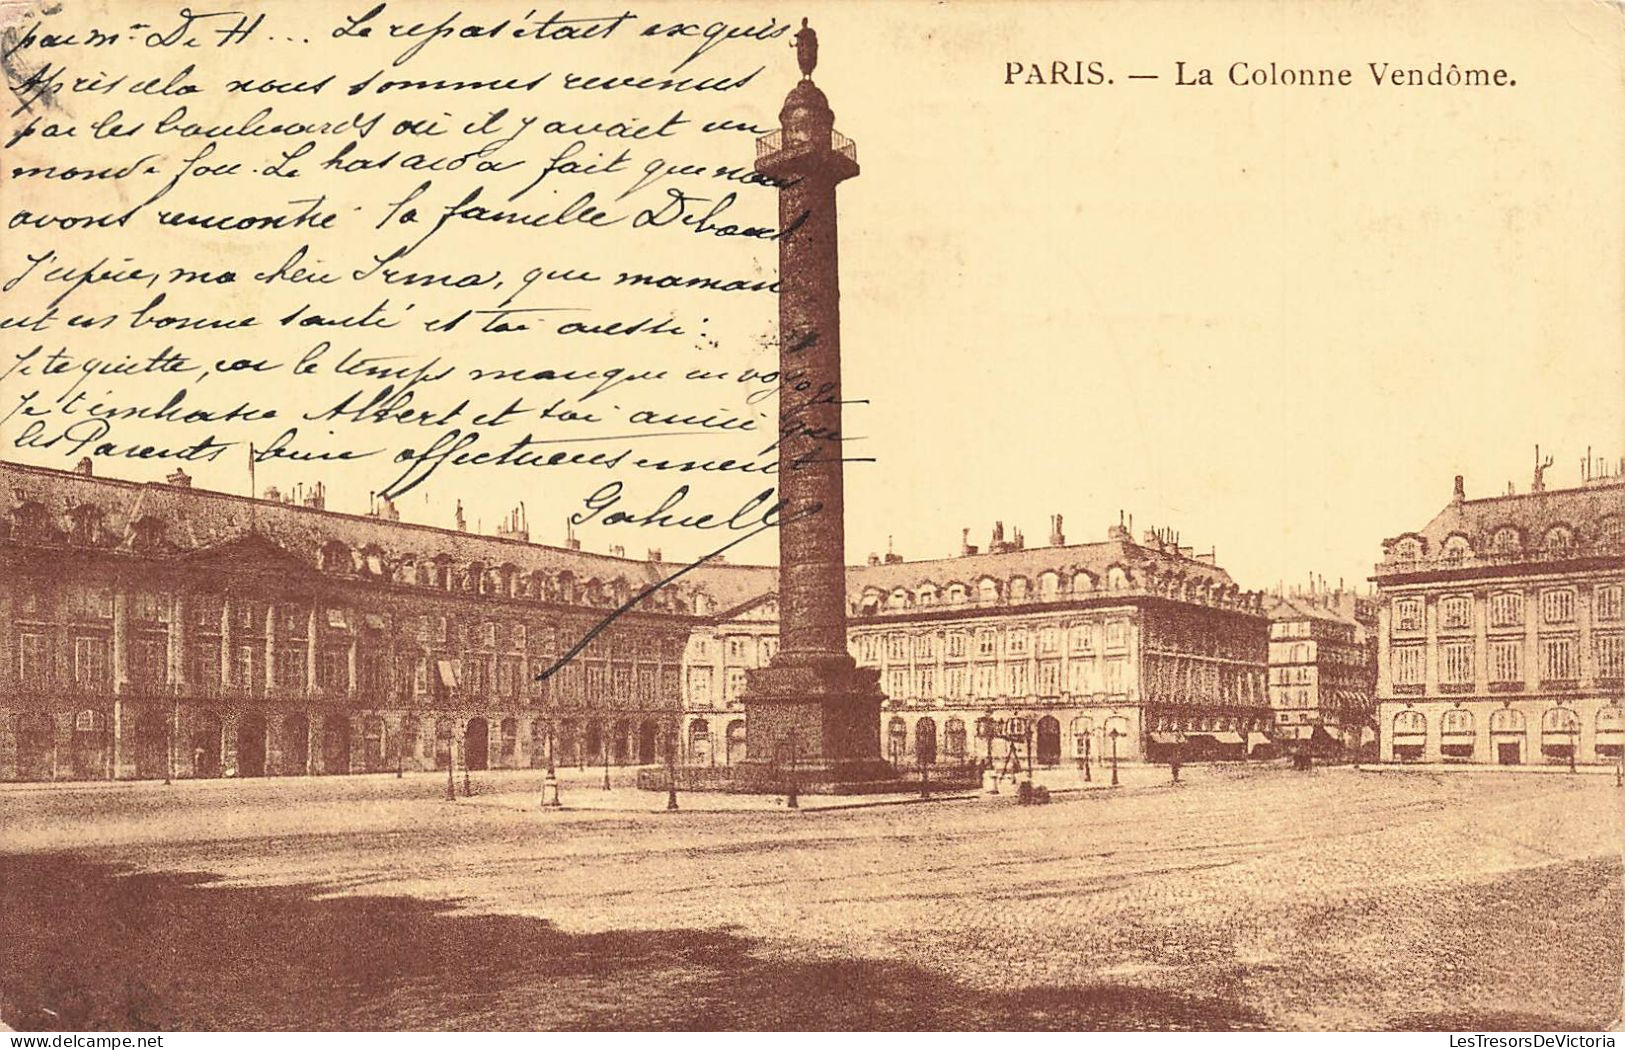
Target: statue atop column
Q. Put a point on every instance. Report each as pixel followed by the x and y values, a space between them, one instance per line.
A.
pixel 806 45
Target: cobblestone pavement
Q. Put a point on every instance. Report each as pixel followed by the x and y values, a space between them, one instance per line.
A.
pixel 1241 898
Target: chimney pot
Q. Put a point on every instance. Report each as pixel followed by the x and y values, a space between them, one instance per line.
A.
pixel 179 478
pixel 1460 490
pixel 84 467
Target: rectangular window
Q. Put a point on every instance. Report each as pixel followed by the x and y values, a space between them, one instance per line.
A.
pixel 1506 661
pixel 204 665
pixel 953 682
pixel 1113 678
pixel 987 643
pixel 1456 662
pixel 290 668
pixel 869 649
pixel 1456 613
pixel 1016 642
pixel 242 668
pixel 736 683
pixel 1116 634
pixel 927 683
pixel 149 660
pixel 897 683
pixel 1506 610
pixel 956 647
pixel 986 684
pixel 1080 677
pixel 90 661
pixel 1016 675
pixel 1408 615
pixel 1608 603
pixel 1557 606
pixel 1557 663
pixel 1408 665
pixel 897 648
pixel 1049 678
pixel 1610 655
pixel 1049 641
pixel 737 648
pixel 1083 638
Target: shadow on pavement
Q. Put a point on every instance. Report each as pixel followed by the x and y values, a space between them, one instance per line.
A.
pixel 88 946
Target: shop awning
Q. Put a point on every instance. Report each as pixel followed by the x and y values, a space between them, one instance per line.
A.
pixel 1258 740
pixel 1228 738
pixel 448 673
pixel 1165 738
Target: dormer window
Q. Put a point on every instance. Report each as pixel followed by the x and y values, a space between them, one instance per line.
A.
pixel 1408 549
pixel 1506 540
pixel 1559 538
pixel 1456 548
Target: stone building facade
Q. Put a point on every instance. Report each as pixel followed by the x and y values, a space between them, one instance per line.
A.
pixel 1323 669
pixel 155 630
pixel 1138 646
pixel 1502 629
pixel 151 630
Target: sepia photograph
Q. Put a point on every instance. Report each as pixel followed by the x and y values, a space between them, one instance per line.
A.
pixel 914 517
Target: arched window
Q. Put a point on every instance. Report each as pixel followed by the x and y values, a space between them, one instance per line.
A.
pixel 1116 578
pixel 1560 720
pixel 1456 722
pixel 1049 585
pixel 987 591
pixel 1408 549
pixel 1410 724
pixel 953 739
pixel 1506 720
pixel 1018 589
pixel 1610 532
pixel 897 740
pixel 1457 547
pixel 1559 538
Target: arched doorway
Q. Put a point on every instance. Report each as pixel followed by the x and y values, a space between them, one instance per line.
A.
pixel 699 742
pixel 152 746
pixel 477 744
pixel 295 745
pixel 335 744
pixel 897 741
pixel 372 744
pixel 619 742
pixel 925 741
pixel 1049 741
pixel 736 742
pixel 205 741
pixel 251 745
pixel 594 750
pixel 36 747
pixel 1083 728
pixel 89 750
pixel 409 742
pixel 954 742
pixel 648 737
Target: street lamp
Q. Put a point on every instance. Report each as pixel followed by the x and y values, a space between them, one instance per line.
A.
pixel 1114 734
pixel 919 755
pixel 1086 775
pixel 550 786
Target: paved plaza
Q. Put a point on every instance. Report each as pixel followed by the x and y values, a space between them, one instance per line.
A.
pixel 1240 898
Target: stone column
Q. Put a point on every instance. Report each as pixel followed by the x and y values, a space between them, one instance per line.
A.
pixel 354 656
pixel 228 643
pixel 312 636
pixel 270 647
pixel 811 697
pixel 180 632
pixel 121 641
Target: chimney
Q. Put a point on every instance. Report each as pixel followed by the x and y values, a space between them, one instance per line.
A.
pixel 654 554
pixel 84 467
pixel 515 527
pixel 462 523
pixel 892 557
pixel 387 510
pixel 570 541
pixel 617 551
pixel 1057 538
pixel 316 498
pixel 180 478
pixel 965 548
pixel 272 493
pixel 1460 492
pixel 1019 542
pixel 1119 531
pixel 874 559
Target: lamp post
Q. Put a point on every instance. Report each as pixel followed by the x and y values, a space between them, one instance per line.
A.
pixel 1027 737
pixel 550 786
pixel 1114 735
pixel 919 755
pixel 1086 739
pixel 605 742
pixel 671 768
pixel 1574 742
pixel 451 765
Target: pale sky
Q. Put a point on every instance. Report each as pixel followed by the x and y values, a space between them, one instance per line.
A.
pixel 1279 320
